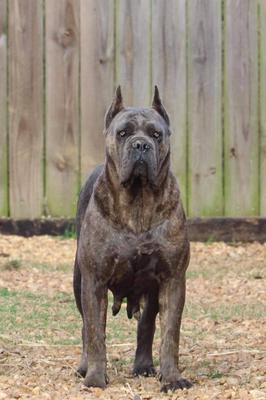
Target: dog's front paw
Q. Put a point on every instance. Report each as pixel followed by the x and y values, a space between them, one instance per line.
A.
pixel 144 370
pixel 96 378
pixel 178 384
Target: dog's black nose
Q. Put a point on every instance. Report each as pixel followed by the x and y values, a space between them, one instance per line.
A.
pixel 141 145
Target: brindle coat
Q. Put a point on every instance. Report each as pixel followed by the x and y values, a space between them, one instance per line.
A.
pixel 132 239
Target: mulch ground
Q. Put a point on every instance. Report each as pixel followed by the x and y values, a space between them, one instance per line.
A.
pixel 223 339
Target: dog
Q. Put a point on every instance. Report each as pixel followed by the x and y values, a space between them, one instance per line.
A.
pixel 132 239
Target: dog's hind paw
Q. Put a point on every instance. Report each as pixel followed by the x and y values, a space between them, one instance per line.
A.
pixel 144 371
pixel 178 384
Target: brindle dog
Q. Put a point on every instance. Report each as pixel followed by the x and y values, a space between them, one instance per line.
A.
pixel 132 239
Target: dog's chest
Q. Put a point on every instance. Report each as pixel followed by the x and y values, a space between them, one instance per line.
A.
pixel 139 272
pixel 139 218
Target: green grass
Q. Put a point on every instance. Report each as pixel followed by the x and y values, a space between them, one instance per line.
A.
pixel 16 264
pixel 207 272
pixel 69 233
pixel 12 264
pixel 194 274
pixel 31 317
pixel 62 267
pixel 225 312
pixel 54 320
pixel 215 374
pixel 34 317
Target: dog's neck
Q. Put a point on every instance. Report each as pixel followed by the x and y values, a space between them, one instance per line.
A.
pixel 136 208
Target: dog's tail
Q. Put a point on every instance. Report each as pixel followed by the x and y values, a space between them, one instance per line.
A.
pixel 77 286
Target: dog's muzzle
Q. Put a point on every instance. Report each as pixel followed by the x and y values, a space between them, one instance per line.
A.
pixel 139 161
pixel 140 146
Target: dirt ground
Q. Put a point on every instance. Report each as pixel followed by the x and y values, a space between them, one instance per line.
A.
pixel 223 338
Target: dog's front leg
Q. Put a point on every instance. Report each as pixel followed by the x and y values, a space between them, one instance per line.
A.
pixel 171 304
pixel 143 364
pixel 94 306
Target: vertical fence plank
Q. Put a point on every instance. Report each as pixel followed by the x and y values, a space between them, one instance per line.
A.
pixel 97 77
pixel 169 73
pixel 263 107
pixel 3 108
pixel 25 108
pixel 241 100
pixel 133 51
pixel 205 184
pixel 62 106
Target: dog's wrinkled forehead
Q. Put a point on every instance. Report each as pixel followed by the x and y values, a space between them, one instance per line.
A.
pixel 138 119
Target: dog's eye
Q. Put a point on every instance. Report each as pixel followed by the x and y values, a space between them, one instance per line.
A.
pixel 156 134
pixel 122 133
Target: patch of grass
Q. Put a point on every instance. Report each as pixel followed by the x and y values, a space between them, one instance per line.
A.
pixel 206 368
pixel 213 271
pixel 13 264
pixel 215 374
pixel 210 271
pixel 53 267
pixel 4 292
pixel 211 239
pixel 194 274
pixel 30 317
pixel 119 329
pixel 69 233
pixel 225 312
pixel 37 318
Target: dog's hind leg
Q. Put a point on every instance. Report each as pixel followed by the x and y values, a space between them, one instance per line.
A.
pixel 82 369
pixel 143 364
pixel 94 303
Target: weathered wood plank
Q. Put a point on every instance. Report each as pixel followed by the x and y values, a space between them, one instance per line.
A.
pixel 62 106
pixel 263 107
pixel 199 229
pixel 36 227
pixel 241 100
pixel 97 78
pixel 169 73
pixel 133 51
pixel 227 229
pixel 205 184
pixel 3 110
pixel 25 107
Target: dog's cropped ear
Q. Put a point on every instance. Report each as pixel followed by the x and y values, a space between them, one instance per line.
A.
pixel 158 106
pixel 115 107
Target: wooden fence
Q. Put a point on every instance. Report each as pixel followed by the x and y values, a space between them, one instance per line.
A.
pixel 61 60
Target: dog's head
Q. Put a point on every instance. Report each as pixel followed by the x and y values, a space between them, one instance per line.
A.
pixel 138 141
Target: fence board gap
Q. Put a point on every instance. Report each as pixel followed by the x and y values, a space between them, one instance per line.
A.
pixel 25 108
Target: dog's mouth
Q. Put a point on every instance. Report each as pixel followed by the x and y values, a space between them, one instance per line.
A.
pixel 140 169
pixel 140 174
